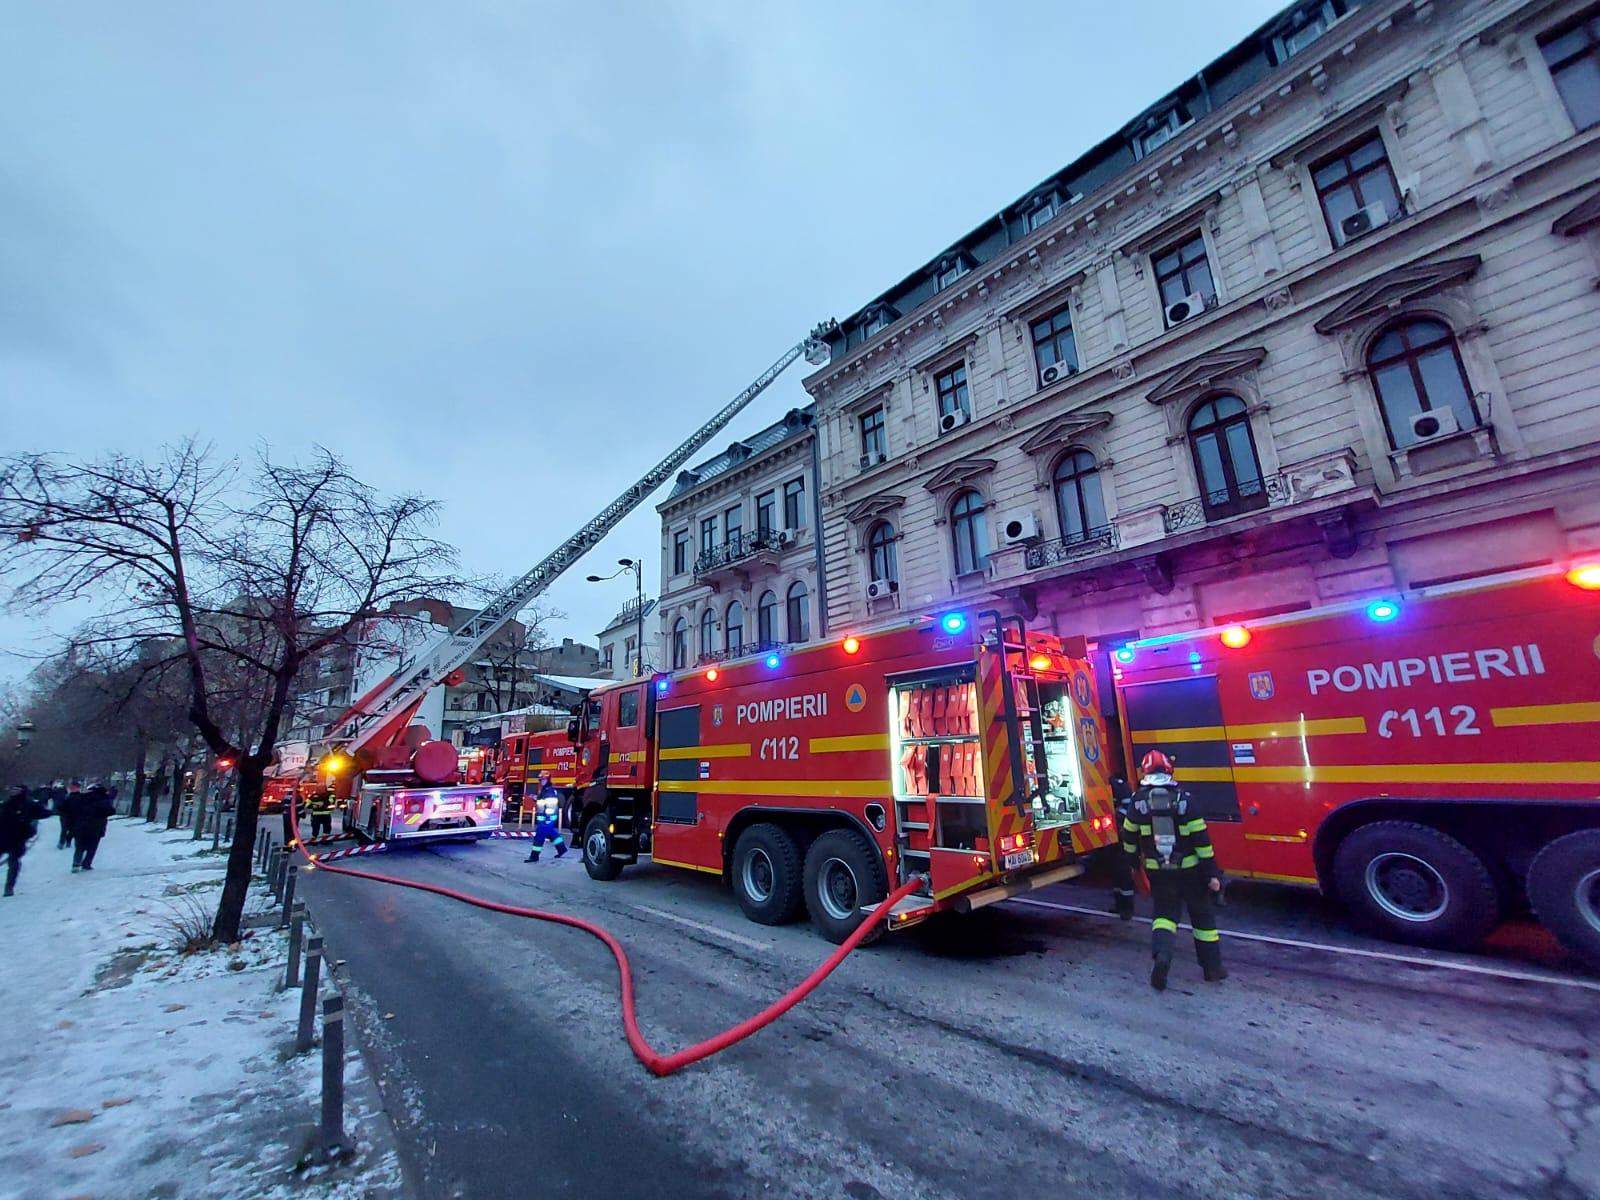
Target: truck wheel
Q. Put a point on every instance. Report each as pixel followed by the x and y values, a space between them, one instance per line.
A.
pixel 597 858
pixel 843 872
pixel 1412 883
pixel 1564 889
pixel 766 875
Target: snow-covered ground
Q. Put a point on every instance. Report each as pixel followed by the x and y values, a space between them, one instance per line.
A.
pixel 131 1070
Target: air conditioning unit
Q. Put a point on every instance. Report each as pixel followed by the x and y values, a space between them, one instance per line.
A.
pixel 1363 220
pixel 1181 310
pixel 879 589
pixel 787 537
pixel 871 459
pixel 1056 372
pixel 1018 525
pixel 953 420
pixel 1435 423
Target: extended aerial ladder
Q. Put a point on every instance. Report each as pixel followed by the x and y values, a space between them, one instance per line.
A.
pixel 382 713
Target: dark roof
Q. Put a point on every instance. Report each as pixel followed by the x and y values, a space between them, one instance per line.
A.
pixel 1219 82
pixel 628 612
pixel 795 423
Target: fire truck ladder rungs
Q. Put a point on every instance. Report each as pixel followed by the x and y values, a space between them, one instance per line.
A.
pixel 418 674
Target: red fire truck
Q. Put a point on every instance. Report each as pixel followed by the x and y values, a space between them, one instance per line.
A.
pixel 521 760
pixel 1431 758
pixel 974 759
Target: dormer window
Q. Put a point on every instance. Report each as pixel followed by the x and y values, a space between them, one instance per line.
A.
pixel 951 269
pixel 877 319
pixel 1041 209
pixel 1158 131
pixel 1301 30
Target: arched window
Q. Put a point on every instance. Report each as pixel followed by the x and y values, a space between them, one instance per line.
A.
pixel 881 554
pixel 708 626
pixel 767 618
pixel 969 533
pixel 799 613
pixel 1416 368
pixel 680 645
pixel 1080 507
pixel 733 628
pixel 1225 459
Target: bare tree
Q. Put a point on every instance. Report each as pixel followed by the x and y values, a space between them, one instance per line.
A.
pixel 234 577
pixel 506 665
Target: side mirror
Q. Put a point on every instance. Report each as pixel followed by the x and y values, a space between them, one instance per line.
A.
pixel 573 726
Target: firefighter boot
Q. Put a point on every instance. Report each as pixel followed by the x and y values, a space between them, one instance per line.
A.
pixel 1210 955
pixel 1158 970
pixel 533 855
pixel 561 849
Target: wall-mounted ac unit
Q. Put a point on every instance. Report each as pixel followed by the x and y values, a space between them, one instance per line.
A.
pixel 1435 423
pixel 1056 372
pixel 1181 310
pixel 880 589
pixel 953 420
pixel 786 537
pixel 1363 220
pixel 1018 525
pixel 872 459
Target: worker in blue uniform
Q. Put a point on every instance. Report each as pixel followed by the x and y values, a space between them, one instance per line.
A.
pixel 547 820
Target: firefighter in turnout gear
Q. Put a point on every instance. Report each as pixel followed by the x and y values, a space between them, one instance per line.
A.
pixel 320 805
pixel 1161 834
pixel 547 821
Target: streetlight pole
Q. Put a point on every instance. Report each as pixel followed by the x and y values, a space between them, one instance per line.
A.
pixel 637 567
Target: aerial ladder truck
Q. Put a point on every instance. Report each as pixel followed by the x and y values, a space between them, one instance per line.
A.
pixel 400 784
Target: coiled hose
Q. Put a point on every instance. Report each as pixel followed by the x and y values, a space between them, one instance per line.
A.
pixel 657 1063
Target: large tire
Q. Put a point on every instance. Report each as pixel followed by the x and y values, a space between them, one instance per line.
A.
pixel 1564 889
pixel 766 875
pixel 1412 883
pixel 597 858
pixel 843 872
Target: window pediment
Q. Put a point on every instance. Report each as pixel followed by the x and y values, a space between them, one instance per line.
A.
pixel 1205 372
pixel 1393 288
pixel 1584 217
pixel 873 508
pixel 963 470
pixel 1064 430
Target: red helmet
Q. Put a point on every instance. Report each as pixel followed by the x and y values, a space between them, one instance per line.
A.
pixel 1155 763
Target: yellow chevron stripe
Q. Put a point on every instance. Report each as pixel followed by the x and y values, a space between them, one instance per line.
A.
pixel 729 750
pixel 667 862
pixel 1253 732
pixel 845 743
pixel 778 787
pixel 1546 714
pixel 1524 772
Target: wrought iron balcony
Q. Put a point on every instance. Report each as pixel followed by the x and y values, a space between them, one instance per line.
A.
pixel 748 650
pixel 1085 544
pixel 739 548
pixel 1225 503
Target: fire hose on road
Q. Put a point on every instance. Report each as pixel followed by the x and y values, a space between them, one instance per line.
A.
pixel 656 1062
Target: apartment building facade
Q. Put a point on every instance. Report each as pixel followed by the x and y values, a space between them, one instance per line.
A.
pixel 619 641
pixel 739 555
pixel 1321 322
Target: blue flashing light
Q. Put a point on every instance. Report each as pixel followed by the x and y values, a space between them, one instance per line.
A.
pixel 1194 660
pixel 661 687
pixel 773 662
pixel 1123 654
pixel 1383 610
pixel 953 622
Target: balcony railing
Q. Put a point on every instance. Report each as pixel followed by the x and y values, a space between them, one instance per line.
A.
pixel 1220 505
pixel 747 650
pixel 742 545
pixel 1070 549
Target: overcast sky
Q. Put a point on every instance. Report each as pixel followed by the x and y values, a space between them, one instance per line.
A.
pixel 507 255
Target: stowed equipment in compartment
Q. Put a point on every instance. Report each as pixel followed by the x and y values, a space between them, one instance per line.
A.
pixel 939 786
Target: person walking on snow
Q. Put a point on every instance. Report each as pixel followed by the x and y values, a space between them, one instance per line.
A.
pixel 1162 834
pixel 89 818
pixel 20 815
pixel 547 820
pixel 64 801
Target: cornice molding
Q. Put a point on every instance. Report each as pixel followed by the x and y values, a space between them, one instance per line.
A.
pixel 1393 288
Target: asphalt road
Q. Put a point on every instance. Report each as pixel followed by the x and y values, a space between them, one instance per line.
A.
pixel 1017 1052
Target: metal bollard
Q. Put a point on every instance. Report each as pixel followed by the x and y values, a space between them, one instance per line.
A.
pixel 308 996
pixel 333 1074
pixel 288 894
pixel 273 864
pixel 297 928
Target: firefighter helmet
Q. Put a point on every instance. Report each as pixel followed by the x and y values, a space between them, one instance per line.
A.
pixel 1155 763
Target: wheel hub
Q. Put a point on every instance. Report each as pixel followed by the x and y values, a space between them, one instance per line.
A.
pixel 1407 887
pixel 1587 894
pixel 757 875
pixel 595 847
pixel 837 889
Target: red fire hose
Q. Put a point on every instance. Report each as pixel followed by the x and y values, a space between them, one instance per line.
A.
pixel 654 1060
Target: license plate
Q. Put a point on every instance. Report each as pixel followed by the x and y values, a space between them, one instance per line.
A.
pixel 1019 858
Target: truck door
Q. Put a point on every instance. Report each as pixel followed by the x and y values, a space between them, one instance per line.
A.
pixel 625 766
pixel 1183 718
pixel 679 835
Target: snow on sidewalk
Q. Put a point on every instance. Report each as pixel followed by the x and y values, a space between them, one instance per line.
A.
pixel 133 1071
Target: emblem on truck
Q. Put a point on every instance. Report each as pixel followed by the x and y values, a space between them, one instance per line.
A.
pixel 1261 685
pixel 855 697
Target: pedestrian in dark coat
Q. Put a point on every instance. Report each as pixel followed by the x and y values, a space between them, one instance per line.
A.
pixel 89 819
pixel 64 800
pixel 20 815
